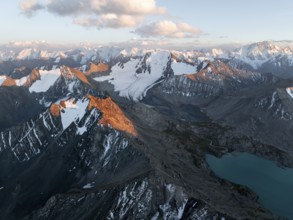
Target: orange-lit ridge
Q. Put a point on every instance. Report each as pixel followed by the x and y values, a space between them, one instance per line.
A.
pixel 34 76
pixel 30 79
pixel 66 72
pixel 97 68
pixel 9 82
pixel 55 110
pixel 112 115
pixel 216 68
pixel 79 75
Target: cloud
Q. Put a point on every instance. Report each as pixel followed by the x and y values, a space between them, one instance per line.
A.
pixel 110 21
pixel 167 29
pixel 113 14
pixel 68 7
pixel 127 7
pixel 97 13
pixel 28 7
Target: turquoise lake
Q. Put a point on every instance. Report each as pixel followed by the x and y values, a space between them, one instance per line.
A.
pixel 273 184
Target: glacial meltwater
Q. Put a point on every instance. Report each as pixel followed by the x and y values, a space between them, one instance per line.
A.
pixel 273 184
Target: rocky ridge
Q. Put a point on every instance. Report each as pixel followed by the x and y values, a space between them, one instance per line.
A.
pixel 126 136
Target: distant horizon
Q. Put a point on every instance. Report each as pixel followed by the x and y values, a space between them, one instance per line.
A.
pixel 135 44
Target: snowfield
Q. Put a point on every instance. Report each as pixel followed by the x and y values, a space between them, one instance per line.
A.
pixel 73 112
pixel 48 78
pixel 180 68
pixel 132 85
pixel 21 81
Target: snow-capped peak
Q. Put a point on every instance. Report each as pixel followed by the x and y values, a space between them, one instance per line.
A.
pixel 29 53
pixel 258 53
pixel 260 50
pixel 134 78
pixel 217 52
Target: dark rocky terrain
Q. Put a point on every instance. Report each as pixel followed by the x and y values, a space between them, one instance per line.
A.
pixel 122 159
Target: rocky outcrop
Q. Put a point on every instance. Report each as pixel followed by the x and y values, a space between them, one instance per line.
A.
pixel 112 115
pixel 72 72
pixel 213 79
pixel 97 68
pixel 9 82
pixel 29 139
pixel 55 110
pixel 35 75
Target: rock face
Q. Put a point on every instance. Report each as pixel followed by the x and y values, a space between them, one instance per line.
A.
pixel 213 79
pixel 98 68
pixel 130 142
pixel 72 73
pixel 55 110
pixel 35 75
pixel 9 82
pixel 112 115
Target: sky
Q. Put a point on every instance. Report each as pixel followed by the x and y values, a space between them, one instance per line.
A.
pixel 185 23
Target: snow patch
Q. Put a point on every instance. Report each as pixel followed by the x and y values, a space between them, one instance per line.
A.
pixel 83 68
pixel 103 78
pixel 180 68
pixel 74 111
pixel 290 91
pixel 48 78
pixel 273 100
pixel 57 60
pixel 21 81
pixel 88 122
pixel 88 186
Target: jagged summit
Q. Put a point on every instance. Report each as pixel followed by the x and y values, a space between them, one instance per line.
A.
pixel 42 80
pixel 218 71
pixel 214 69
pixel 261 56
pixel 260 51
pixel 257 56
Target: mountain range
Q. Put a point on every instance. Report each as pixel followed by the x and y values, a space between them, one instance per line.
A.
pixel 115 133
